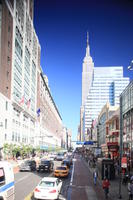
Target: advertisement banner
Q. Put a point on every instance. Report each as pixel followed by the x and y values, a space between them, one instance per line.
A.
pixel 124 162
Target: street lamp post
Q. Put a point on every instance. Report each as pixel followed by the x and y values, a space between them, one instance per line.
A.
pixel 98 125
pixel 130 67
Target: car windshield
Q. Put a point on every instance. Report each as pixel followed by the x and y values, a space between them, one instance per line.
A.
pixel 45 162
pixel 27 162
pixel 60 154
pixel 61 168
pixel 47 184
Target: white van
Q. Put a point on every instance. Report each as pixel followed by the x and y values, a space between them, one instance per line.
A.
pixel 6 181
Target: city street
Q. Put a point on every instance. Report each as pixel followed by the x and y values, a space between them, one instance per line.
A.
pixel 78 185
pixel 25 183
pixel 66 100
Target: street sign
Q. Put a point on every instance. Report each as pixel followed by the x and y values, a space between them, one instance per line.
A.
pixel 88 143
pixel 44 147
pixel 79 143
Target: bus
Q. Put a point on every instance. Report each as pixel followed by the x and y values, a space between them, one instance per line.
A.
pixel 6 181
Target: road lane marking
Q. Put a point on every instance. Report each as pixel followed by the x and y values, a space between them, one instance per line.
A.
pixel 29 196
pixel 21 179
pixel 72 172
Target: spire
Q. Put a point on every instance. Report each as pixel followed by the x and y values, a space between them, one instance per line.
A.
pixel 87 38
pixel 87 48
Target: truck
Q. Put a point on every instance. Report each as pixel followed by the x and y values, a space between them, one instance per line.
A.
pixel 7 190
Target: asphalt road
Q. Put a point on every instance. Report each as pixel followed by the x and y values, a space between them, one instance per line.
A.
pixel 25 183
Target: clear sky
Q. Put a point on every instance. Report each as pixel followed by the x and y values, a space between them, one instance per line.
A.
pixel 61 26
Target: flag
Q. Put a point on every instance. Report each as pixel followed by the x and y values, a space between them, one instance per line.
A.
pixel 38 112
pixel 28 103
pixel 22 100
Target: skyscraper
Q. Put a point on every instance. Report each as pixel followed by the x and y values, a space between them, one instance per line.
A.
pixel 99 86
pixel 23 89
pixel 87 72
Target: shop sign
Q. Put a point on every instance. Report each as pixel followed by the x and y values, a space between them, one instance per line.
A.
pixel 116 133
pixel 113 148
pixel 112 143
pixel 124 162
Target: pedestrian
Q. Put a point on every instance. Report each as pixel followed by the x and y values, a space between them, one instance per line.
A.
pixel 105 185
pixel 131 178
pixel 95 175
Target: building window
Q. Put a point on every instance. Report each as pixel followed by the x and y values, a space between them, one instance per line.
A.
pixel 13 136
pixel 6 105
pixel 5 123
pixel 9 28
pixel 5 136
pixel 7 74
pixel 9 44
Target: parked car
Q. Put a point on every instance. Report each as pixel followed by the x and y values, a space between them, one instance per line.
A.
pixel 61 171
pixel 60 157
pixel 52 157
pixel 45 165
pixel 48 188
pixel 28 165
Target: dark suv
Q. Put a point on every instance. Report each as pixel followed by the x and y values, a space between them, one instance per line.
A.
pixel 45 165
pixel 28 165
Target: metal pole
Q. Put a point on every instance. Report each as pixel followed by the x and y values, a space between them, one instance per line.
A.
pixel 130 112
pixel 121 148
pixel 97 135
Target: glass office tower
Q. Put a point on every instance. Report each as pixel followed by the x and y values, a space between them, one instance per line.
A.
pixel 107 85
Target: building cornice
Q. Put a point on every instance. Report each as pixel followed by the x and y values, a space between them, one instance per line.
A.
pixel 50 95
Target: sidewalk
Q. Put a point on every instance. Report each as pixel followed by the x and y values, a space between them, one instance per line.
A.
pixel 114 186
pixel 83 188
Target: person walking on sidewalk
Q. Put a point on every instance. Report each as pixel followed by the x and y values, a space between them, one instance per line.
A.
pixel 95 175
pixel 105 185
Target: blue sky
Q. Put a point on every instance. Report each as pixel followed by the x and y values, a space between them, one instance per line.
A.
pixel 61 26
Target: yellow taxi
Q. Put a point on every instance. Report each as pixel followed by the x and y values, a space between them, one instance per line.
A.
pixel 61 171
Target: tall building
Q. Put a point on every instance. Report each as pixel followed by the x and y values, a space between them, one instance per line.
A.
pixel 87 75
pixel 18 70
pixel 99 86
pixel 87 72
pixel 23 88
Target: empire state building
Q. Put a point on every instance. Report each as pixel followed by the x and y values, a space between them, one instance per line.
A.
pixel 99 86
